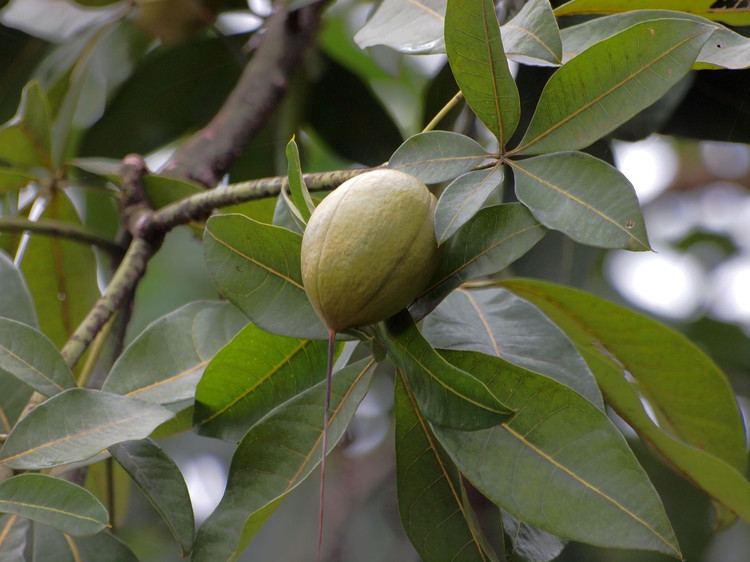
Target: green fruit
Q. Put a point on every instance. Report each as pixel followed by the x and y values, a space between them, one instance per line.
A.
pixel 369 248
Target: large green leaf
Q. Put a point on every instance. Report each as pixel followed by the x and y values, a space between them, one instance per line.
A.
pixel 250 376
pixel 583 197
pixel 476 56
pixel 689 396
pixel 61 274
pixel 274 456
pixel 437 156
pixel 15 299
pixel 161 481
pixel 54 502
pixel 25 140
pixel 409 27
pixel 608 83
pixel 446 395
pixel 726 49
pixel 165 362
pixel 52 545
pixel 437 519
pixel 723 482
pixel 493 239
pixel 532 35
pixel 463 197
pixel 31 357
pixel 733 15
pixel 75 425
pixel 257 267
pixel 496 322
pixel 564 466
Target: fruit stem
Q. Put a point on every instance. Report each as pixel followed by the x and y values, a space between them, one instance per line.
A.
pixel 326 419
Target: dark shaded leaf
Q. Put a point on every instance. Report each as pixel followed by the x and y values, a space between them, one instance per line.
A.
pixel 446 395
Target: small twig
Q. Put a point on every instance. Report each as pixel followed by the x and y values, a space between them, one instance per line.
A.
pixel 62 230
pixel 199 206
pixel 443 112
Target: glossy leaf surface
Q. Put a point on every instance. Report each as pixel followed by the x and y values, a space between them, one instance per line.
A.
pixel 257 267
pixel 51 544
pixel 493 239
pixel 496 322
pixel 409 27
pixel 566 468
pixel 583 197
pixel 76 425
pixel 610 82
pixel 250 376
pixel 274 457
pixel 25 140
pixel 15 299
pixel 32 358
pixel 437 156
pixel 733 15
pixel 532 35
pixel 463 197
pixel 54 502
pixel 165 362
pixel 446 395
pixel 435 515
pixel 160 480
pixel 477 59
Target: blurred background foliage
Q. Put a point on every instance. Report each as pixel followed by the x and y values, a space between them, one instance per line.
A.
pixel 151 80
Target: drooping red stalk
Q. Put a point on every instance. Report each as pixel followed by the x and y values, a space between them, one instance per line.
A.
pixel 326 419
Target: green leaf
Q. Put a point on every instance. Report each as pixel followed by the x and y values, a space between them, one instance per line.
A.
pixel 583 197
pixel 31 357
pixel 476 56
pixel 275 455
pixel 408 27
pixel 52 545
pixel 13 179
pixel 566 468
pixel 436 518
pixel 723 482
pixel 15 299
pixel 726 49
pixel 493 239
pixel 161 481
pixel 250 376
pixel 496 322
pixel 300 196
pixel 257 267
pixel 608 83
pixel 61 274
pixel 446 395
pixel 14 531
pixel 165 362
pixel 437 156
pixel 532 35
pixel 732 15
pixel 691 399
pixel 54 502
pixel 25 139
pixel 463 197
pixel 75 425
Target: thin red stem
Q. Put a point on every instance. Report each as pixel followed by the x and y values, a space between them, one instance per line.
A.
pixel 326 419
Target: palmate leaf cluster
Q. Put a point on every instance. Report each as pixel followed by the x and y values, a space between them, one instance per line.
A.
pixel 503 387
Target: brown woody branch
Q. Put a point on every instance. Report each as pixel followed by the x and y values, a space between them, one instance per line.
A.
pixel 207 156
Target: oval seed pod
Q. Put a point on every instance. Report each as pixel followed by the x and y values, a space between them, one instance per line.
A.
pixel 369 248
